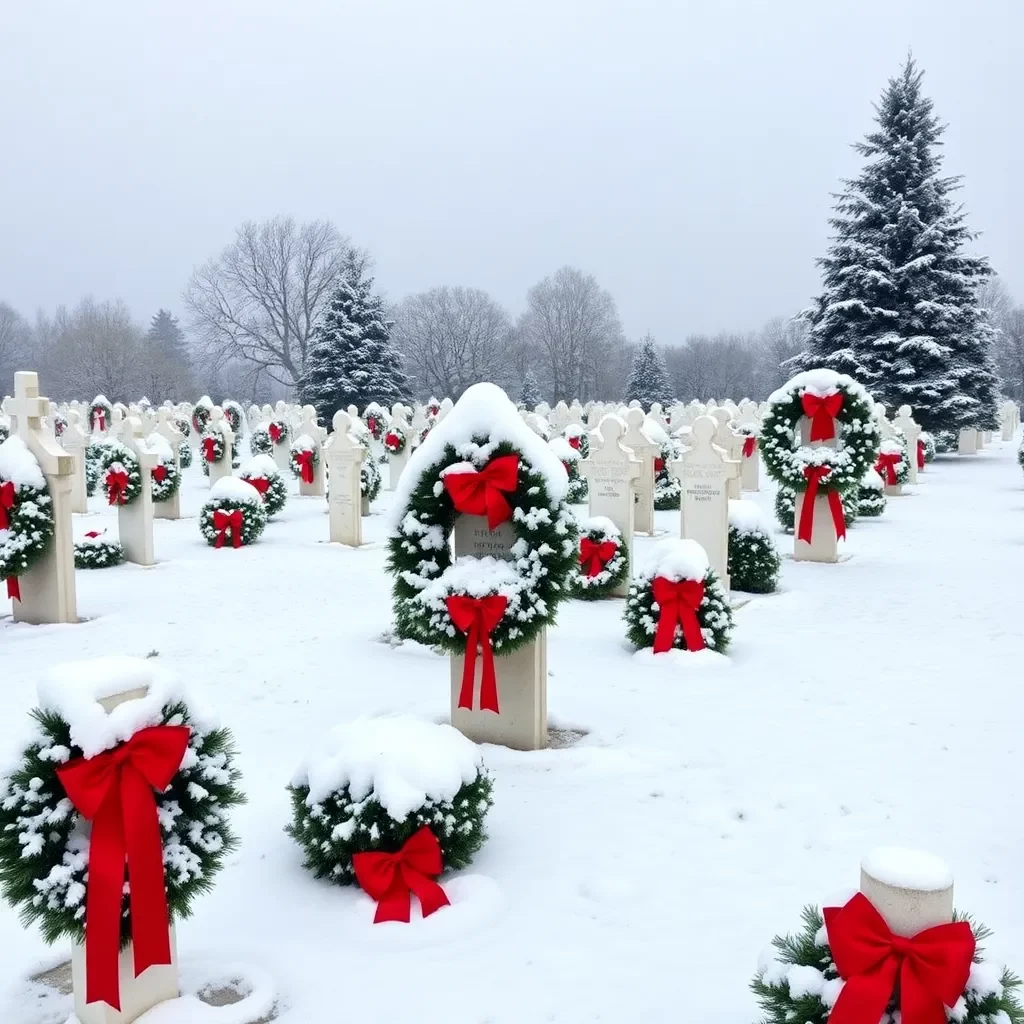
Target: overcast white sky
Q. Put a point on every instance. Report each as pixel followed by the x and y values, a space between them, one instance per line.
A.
pixel 683 152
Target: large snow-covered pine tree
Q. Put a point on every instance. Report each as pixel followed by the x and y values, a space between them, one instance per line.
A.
pixel 529 394
pixel 899 309
pixel 351 360
pixel 649 381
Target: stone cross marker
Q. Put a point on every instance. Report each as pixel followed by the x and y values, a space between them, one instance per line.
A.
pixel 135 521
pixel 344 458
pixel 75 441
pixel 397 463
pixel 731 443
pixel 646 451
pixel 704 472
pixel 168 430
pixel 612 471
pixel 222 467
pixel 308 428
pixel 48 589
pixel 904 422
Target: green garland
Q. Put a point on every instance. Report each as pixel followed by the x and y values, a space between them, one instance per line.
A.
pixel 546 554
pixel 615 571
pixel 42 845
pixel 754 561
pixel 809 951
pixel 851 506
pixel 30 523
pixel 254 519
pixel 96 553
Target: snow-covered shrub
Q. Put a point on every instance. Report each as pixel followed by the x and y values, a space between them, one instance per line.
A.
pixel 754 561
pixel 96 551
pixel 378 781
pixel 929 446
pixel 871 495
pixel 603 559
pixel 785 508
pixel 233 515
pixel 369 478
pixel 945 441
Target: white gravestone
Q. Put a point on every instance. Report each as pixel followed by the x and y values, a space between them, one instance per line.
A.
pixel 522 676
pixel 611 471
pixel 704 472
pixel 344 458
pixel 75 441
pixel 912 891
pixel 397 463
pixel 48 588
pixel 308 427
pixel 646 451
pixel 750 465
pixel 967 443
pixel 732 444
pixel 904 422
pixel 824 545
pixel 222 467
pixel 135 520
pixel 168 430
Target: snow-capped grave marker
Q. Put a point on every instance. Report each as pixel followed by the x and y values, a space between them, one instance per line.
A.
pixel 559 417
pixel 748 425
pixel 612 471
pixel 135 519
pixel 397 462
pixel 222 466
pixel 731 443
pixel 1009 416
pixel 344 459
pixel 48 588
pixel 308 428
pixel 967 442
pixel 911 890
pixel 704 472
pixel 74 441
pixel 904 423
pixel 646 451
pixel 168 430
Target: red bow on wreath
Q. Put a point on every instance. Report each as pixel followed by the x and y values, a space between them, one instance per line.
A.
pixel 920 454
pixel 816 475
pixel 678 604
pixel 931 968
pixel 594 555
pixel 659 465
pixel 114 790
pixel 7 493
pixel 304 459
pixel 261 483
pixel 225 523
pixel 483 492
pixel 477 618
pixel 160 473
pixel 210 449
pixel 392 878
pixel 116 482
pixel 574 442
pixel 101 417
pixel 371 422
pixel 749 447
pixel 886 466
pixel 275 432
pixel 822 413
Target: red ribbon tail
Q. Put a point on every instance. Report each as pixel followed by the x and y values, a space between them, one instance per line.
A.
pixel 468 669
pixel 13 588
pixel 395 904
pixel 219 542
pixel 665 631
pixel 691 630
pixel 805 529
pixel 103 905
pixel 488 679
pixel 835 504
pixel 431 896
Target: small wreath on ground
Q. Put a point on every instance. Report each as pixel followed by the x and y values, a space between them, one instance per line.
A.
pixel 303 458
pixel 754 561
pixel 375 785
pixel 166 478
pixel 262 473
pixel 871 495
pixel 212 446
pixel 376 420
pixel 101 414
pixel 96 551
pixel 260 443
pixel 570 459
pixel 279 432
pixel 184 454
pixel 668 490
pixel 120 475
pixel 45 842
pixel 233 516
pixel 603 561
pixel 201 414
pixel 395 440
pixel 26 513
pixel 369 478
pixel 677 600
pixel 578 438
pixel 234 415
pixel 893 464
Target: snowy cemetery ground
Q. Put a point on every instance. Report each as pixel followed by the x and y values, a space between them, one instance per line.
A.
pixel 688 809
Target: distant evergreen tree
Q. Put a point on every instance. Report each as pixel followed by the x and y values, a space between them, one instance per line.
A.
pixel 350 360
pixel 649 381
pixel 529 395
pixel 899 310
pixel 165 334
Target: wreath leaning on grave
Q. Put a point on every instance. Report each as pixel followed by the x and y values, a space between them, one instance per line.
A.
pixel 395 440
pixel 120 474
pixel 26 513
pixel 514 599
pixel 303 458
pixel 212 444
pixel 166 479
pixel 603 561
pixel 278 431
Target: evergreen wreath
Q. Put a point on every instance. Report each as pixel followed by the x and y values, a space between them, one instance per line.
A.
pixel 60 424
pixel 201 414
pixel 871 495
pixel 851 506
pixel 678 560
pixel 668 491
pixel 119 474
pixel 260 443
pixel 211 446
pixel 234 415
pixel 94 551
pixel 854 424
pixel 5 429
pixel 101 414
pixel 603 561
pixel 232 532
pixel 183 425
pixel 419 556
pixel 395 440
pixel 754 561
pixel 578 438
pixel 893 462
pixel 929 445
pixel 26 511
pixel 184 454
pixel 785 508
pixel 166 479
pixel 279 432
pixel 376 420
pixel 334 821
pixel 369 478
pixel 262 473
pixel 303 443
pixel 570 458
pixel 44 848
pixel 800 984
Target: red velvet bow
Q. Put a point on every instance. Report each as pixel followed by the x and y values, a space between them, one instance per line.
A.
pixel 886 466
pixel 816 475
pixel 822 412
pixel 920 454
pixel 678 603
pixel 568 467
pixel 371 423
pixel 477 617
pixel 225 523
pixel 93 533
pixel 574 442
pixel 7 492
pixel 483 492
pixel 749 446
pixel 932 967
pixel 116 482
pixel 659 465
pixel 261 483
pixel 275 432
pixel 594 556
pixel 391 878
pixel 392 442
pixel 210 449
pixel 114 790
pixel 160 473
pixel 304 457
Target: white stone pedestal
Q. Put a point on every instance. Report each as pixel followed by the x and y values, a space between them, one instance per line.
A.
pixel 908 910
pixel 893 490
pixel 824 546
pixel 282 457
pixel 48 588
pixel 396 467
pixel 135 527
pixel 522 723
pixel 153 986
pixel 750 471
pixel 967 443
pixel 364 505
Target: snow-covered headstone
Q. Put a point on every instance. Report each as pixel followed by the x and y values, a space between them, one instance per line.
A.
pixel 967 442
pixel 308 427
pixel 135 520
pixel 75 441
pixel 912 890
pixel 731 443
pixel 222 467
pixel 397 463
pixel 646 451
pixel 344 458
pixel 911 430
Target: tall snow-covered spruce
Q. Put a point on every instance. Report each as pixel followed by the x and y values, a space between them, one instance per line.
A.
pixel 899 309
pixel 351 360
pixel 649 381
pixel 529 394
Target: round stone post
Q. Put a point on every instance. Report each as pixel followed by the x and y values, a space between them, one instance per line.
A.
pixel 911 890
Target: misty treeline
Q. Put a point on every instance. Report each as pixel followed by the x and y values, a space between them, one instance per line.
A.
pixel 249 313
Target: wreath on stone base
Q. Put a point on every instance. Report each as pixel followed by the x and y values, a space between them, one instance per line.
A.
pixel 893 461
pixel 233 516
pixel 234 415
pixel 279 432
pixel 119 473
pixel 212 446
pixel 262 473
pixel 871 495
pixel 578 438
pixel 678 601
pixel 26 512
pixel 603 561
pixel 184 454
pixel 201 414
pixel 95 551
pixel 303 458
pixel 101 414
pixel 166 478
pixel 369 478
pixel 376 419
pixel 395 440
pixel 668 491
pixel 260 443
pixel 754 561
